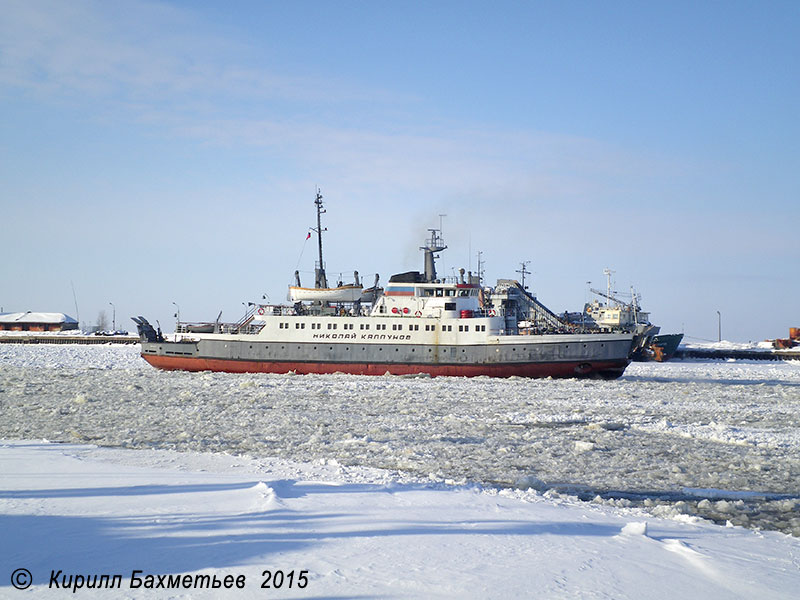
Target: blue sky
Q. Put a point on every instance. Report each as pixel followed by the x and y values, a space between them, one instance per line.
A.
pixel 160 152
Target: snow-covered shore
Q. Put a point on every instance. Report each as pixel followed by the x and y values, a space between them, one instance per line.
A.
pixel 355 532
pixel 763 346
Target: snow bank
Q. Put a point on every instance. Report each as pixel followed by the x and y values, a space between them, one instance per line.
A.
pixel 354 532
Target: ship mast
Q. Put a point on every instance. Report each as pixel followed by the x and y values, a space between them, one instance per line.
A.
pixel 433 244
pixel 320 280
pixel 524 271
pixel 607 272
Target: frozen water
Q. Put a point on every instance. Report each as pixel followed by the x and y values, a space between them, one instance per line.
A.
pixel 716 439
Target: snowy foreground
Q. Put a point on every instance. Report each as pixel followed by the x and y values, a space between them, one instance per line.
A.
pixel 346 533
pixel 397 487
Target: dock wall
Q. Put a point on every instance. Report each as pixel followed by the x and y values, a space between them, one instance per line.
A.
pixel 68 339
pixel 714 354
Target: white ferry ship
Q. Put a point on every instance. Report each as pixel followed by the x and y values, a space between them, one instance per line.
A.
pixel 420 324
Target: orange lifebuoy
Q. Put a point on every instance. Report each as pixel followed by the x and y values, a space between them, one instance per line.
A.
pixel 492 313
pixel 418 314
pixel 261 310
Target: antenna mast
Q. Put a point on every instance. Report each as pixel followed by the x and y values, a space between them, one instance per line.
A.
pixel 320 281
pixel 74 297
pixel 608 272
pixel 524 272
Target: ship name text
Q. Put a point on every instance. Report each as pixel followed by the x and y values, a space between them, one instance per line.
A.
pixel 362 336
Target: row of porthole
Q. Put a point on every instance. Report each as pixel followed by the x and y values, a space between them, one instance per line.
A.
pixel 363 348
pixel 380 349
pixel 565 347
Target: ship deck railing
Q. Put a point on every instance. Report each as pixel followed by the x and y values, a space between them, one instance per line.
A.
pixel 253 323
pixel 247 329
pixel 346 310
pixel 236 328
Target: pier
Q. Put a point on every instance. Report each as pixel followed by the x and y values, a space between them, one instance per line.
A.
pixel 68 339
pixel 726 354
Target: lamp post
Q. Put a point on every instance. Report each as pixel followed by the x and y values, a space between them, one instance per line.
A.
pixel 113 317
pixel 719 326
pixel 177 315
pixel 587 299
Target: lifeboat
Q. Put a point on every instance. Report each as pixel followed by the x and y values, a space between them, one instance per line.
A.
pixel 343 293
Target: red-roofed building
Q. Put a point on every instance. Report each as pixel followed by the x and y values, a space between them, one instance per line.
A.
pixel 36 321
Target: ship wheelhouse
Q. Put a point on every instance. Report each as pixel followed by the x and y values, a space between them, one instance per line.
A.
pixel 408 294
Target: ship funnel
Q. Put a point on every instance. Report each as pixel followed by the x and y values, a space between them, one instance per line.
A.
pixel 432 245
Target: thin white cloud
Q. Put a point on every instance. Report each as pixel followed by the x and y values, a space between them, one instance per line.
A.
pixel 160 66
pixel 139 51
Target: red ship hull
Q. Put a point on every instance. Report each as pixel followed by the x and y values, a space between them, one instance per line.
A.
pixel 603 369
